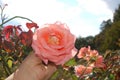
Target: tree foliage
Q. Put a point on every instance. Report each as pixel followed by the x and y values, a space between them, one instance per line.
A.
pixel 112 36
pixel 116 15
pixel 84 41
pixel 99 39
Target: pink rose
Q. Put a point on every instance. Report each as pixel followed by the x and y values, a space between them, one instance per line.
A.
pixel 99 62
pixel 82 70
pixel 83 52
pixel 54 42
pixel 87 53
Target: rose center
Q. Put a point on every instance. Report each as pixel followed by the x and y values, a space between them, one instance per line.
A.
pixel 53 40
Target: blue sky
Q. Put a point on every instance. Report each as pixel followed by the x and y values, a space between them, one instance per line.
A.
pixel 82 16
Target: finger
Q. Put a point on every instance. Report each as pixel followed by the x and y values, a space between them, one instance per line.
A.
pixel 10 77
pixel 50 69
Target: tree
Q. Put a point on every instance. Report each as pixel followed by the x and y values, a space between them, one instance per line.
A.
pixel 86 41
pixel 106 24
pixel 99 39
pixel 116 16
pixel 112 36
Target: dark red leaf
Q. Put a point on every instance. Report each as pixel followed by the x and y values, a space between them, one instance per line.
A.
pixel 7 31
pixel 0 41
pixel 31 25
pixel 18 30
pixel 8 46
pixel 26 38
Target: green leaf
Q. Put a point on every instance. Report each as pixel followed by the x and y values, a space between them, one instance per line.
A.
pixel 55 75
pixel 71 62
pixel 74 77
pixel 111 77
pixel 9 62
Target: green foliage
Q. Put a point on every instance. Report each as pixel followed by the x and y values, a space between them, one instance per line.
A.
pixel 106 25
pixel 10 62
pixel 112 36
pixel 63 74
pixel 71 62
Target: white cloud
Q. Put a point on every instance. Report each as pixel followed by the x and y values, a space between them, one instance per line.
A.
pixel 81 28
pixel 47 11
pixel 112 4
pixel 96 7
pixel 42 10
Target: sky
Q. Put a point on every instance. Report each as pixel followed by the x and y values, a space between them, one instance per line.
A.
pixel 83 17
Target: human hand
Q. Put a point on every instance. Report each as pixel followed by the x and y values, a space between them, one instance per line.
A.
pixel 32 68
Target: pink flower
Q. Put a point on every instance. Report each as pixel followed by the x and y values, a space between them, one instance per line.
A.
pixel 93 53
pixel 99 62
pixel 82 70
pixel 83 52
pixel 87 53
pixel 54 42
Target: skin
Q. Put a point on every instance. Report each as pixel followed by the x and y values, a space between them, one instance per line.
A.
pixel 32 68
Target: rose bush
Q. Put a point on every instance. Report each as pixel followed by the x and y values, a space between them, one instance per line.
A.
pixel 54 42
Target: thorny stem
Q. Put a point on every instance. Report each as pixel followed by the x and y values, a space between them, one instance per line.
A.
pixel 14 18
